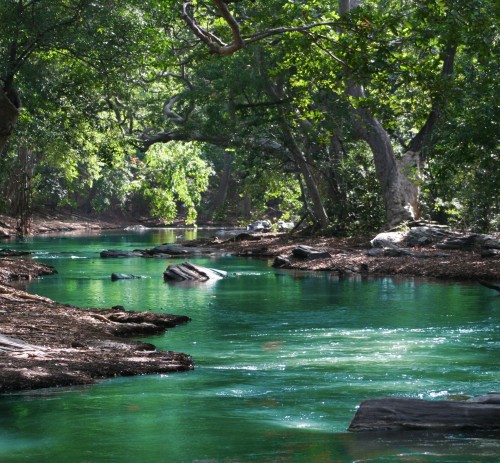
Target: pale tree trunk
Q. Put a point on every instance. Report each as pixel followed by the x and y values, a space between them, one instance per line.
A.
pixel 399 192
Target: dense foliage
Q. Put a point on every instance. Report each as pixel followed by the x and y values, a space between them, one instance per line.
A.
pixel 345 115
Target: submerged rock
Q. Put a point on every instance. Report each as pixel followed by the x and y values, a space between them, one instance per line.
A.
pixel 124 276
pixel 114 253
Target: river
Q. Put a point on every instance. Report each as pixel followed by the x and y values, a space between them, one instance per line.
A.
pixel 282 360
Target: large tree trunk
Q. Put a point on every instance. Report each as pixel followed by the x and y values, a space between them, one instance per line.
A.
pixel 399 192
pixel 9 113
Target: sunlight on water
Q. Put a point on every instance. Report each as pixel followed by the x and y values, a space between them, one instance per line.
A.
pixel 282 361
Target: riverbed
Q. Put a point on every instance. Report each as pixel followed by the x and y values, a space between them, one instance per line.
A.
pixel 282 358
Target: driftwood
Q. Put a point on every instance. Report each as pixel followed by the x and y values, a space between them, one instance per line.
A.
pixel 396 414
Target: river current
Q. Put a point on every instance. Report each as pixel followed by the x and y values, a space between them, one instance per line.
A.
pixel 282 361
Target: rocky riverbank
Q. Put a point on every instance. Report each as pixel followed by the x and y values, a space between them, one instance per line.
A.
pixel 356 257
pixel 47 344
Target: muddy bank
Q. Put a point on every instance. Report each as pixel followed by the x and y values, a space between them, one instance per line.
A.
pixel 47 344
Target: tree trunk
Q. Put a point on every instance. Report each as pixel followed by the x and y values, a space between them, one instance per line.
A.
pixel 9 113
pixel 23 193
pixel 312 190
pixel 399 192
pixel 221 195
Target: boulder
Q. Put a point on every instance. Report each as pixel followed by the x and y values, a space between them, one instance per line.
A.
pixel 387 240
pixel 490 252
pixel 462 242
pixel 488 242
pixel 285 226
pixel 259 225
pixel 281 262
pixel 310 253
pixel 397 414
pixel 188 271
pixel 423 236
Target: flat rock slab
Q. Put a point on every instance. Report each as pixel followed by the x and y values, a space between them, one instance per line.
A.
pixel 188 271
pixel 397 414
pixel 310 253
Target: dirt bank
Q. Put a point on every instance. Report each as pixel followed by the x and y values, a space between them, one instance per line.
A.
pixel 349 258
pixel 47 344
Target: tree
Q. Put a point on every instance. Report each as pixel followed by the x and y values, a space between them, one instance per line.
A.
pixel 361 44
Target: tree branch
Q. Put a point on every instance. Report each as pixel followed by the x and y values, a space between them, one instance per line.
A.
pixel 423 137
pixel 217 46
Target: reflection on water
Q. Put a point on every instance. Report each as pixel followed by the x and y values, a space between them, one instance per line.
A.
pixel 282 361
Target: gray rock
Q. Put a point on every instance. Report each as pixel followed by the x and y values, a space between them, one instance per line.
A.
pixel 281 262
pixel 259 225
pixel 462 242
pixel 387 240
pixel 171 249
pixel 394 413
pixel 188 271
pixel 310 253
pixel 423 236
pixel 490 252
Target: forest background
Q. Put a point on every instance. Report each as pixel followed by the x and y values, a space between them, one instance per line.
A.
pixel 348 116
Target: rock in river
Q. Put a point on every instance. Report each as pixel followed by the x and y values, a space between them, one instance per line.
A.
pixel 397 414
pixel 191 272
pixel 124 276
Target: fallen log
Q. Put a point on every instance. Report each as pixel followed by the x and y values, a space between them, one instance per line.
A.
pixel 397 414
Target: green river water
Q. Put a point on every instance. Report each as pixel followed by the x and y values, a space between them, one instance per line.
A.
pixel 282 360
